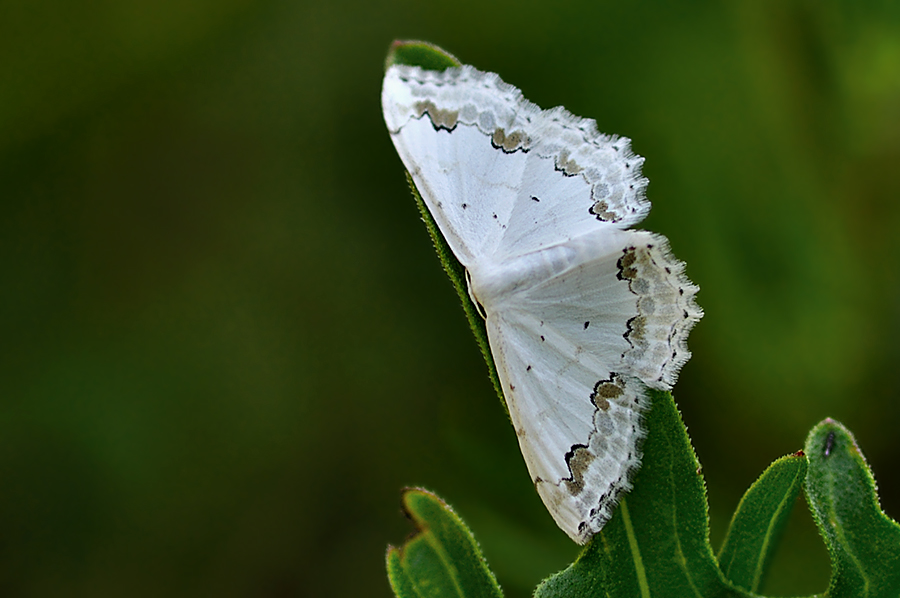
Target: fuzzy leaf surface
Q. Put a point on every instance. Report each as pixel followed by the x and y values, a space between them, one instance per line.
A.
pixel 442 560
pixel 863 542
pixel 657 543
pixel 457 274
pixel 418 53
pixel 758 524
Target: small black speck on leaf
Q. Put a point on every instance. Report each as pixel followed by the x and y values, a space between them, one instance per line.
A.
pixel 829 443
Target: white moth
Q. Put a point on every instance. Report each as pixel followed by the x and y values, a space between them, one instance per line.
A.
pixel 581 314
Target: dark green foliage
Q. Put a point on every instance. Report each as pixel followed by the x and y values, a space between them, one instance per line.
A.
pixel 442 560
pixel 759 522
pixel 863 542
pixel 423 54
pixel 457 275
pixel 657 543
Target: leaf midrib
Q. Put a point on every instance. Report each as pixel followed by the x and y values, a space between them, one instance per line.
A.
pixel 639 569
pixel 767 537
pixel 682 560
pixel 446 561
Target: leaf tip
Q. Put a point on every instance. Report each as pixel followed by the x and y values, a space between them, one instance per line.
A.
pixel 392 554
pixel 410 498
pixel 419 53
pixel 829 435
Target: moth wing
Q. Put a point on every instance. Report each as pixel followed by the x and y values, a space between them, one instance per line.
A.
pixel 579 428
pixel 502 177
pixel 574 352
pixel 518 192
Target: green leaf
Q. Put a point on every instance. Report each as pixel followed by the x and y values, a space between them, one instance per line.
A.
pixel 442 560
pixel 416 53
pixel 759 522
pixel 431 57
pixel 457 274
pixel 657 543
pixel 863 542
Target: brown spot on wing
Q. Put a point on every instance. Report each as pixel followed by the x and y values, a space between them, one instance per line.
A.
pixel 627 271
pixel 567 164
pixel 637 328
pixel 601 210
pixel 508 142
pixel 441 119
pixel 578 459
pixel 605 391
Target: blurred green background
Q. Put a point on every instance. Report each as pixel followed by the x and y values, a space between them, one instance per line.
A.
pixel 226 342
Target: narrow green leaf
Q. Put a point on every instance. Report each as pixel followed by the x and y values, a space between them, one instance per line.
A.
pixel 657 543
pixel 863 542
pixel 457 274
pixel 403 583
pixel 429 56
pixel 416 53
pixel 759 522
pixel 442 560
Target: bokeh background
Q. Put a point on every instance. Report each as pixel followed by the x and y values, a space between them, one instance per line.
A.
pixel 226 343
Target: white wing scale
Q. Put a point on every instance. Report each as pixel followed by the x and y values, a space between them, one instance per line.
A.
pixel 581 314
pixel 471 97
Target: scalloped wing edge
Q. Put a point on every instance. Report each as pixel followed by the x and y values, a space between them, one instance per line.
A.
pixel 465 95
